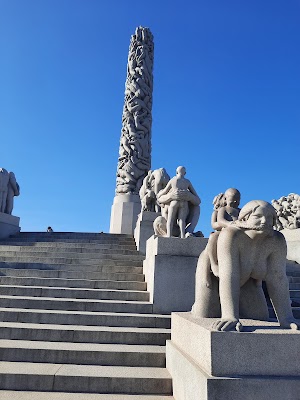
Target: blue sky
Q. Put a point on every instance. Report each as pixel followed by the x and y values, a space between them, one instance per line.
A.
pixel 226 101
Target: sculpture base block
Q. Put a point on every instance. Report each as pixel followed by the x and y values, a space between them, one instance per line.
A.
pixel 292 237
pixel 169 269
pixel 9 225
pixel 260 363
pixel 124 213
pixel 144 229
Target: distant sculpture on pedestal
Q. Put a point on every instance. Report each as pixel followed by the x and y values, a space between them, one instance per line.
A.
pixel 13 190
pixel 288 211
pixel 180 207
pixel 247 251
pixel 153 183
pixel 4 180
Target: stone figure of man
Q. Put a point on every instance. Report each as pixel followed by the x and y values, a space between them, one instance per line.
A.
pixel 4 180
pixel 13 190
pixel 178 209
pixel 247 251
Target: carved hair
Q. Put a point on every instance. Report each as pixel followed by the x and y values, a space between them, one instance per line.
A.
pixel 250 207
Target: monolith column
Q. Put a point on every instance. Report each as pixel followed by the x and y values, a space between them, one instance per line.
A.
pixel 135 143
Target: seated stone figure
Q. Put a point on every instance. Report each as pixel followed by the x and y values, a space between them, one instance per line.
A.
pixel 247 251
pixel 226 211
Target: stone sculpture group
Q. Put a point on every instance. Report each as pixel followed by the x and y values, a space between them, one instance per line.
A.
pixel 288 211
pixel 135 143
pixel 175 198
pixel 244 251
pixel 8 189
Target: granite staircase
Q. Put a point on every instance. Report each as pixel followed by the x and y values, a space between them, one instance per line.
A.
pixel 76 321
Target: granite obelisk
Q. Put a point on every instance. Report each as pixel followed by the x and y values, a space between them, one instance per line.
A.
pixel 135 143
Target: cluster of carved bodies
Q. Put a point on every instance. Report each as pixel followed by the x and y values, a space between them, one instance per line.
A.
pixel 8 189
pixel 135 143
pixel 175 198
pixel 231 269
pixel 288 211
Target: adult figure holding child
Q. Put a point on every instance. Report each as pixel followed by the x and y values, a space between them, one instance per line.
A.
pixel 247 251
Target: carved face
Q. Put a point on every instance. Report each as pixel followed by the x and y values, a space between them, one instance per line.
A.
pixel 261 217
pixel 232 198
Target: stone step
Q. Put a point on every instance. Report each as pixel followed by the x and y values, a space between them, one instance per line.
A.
pixel 116 269
pixel 84 318
pixel 84 378
pixel 64 245
pixel 295 286
pixel 127 276
pixel 295 294
pixel 74 293
pixel 84 334
pixel 73 283
pixel 88 256
pixel 71 293
pixel 74 251
pixel 99 236
pixel 66 240
pixel 294 279
pixel 82 353
pixel 70 261
pixel 91 305
pixel 19 395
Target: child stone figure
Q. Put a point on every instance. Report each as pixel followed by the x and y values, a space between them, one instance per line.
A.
pixel 178 209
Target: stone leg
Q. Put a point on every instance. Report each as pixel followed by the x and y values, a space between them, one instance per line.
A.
pixel 207 301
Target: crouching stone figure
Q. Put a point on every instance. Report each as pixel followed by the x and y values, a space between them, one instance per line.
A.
pixel 246 252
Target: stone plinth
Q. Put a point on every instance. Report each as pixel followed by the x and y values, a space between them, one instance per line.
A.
pixel 292 237
pixel 144 229
pixel 9 225
pixel 169 269
pixel 124 213
pixel 260 363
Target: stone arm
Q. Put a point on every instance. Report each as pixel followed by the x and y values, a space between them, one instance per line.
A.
pixel 229 279
pixel 278 285
pixel 221 220
pixel 162 194
pixel 214 219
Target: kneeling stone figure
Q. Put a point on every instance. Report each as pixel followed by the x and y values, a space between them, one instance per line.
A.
pixel 247 251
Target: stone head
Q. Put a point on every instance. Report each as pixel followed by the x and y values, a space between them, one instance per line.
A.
pixel 180 171
pixel 258 215
pixel 232 197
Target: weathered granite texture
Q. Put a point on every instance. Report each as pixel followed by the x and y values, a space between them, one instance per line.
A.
pixel 144 229
pixel 226 208
pixel 135 143
pixel 180 207
pixel 8 189
pixel 169 269
pixel 153 183
pixel 260 363
pixel 9 225
pixel 288 211
pixel 245 253
pixel 292 237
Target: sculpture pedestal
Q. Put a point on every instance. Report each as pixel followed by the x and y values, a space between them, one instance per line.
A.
pixel 124 213
pixel 9 225
pixel 261 363
pixel 144 229
pixel 169 269
pixel 292 237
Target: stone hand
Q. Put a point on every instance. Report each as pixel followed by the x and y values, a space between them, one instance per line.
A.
pixel 291 324
pixel 227 325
